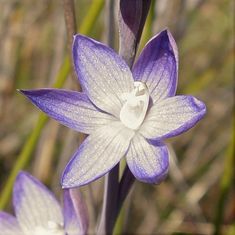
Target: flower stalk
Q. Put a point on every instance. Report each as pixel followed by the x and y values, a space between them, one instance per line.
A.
pixel 70 22
pixel 111 184
pixel 132 17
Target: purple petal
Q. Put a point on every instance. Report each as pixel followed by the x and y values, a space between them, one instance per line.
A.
pixel 104 76
pixel 172 116
pixel 147 162
pixel 34 204
pixel 98 154
pixel 9 225
pixel 72 109
pixel 157 66
pixel 75 212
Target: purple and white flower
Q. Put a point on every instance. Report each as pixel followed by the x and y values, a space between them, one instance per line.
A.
pixel 125 113
pixel 39 213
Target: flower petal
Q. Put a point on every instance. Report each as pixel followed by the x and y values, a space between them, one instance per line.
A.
pixel 72 109
pixel 148 162
pixel 9 225
pixel 172 116
pixel 104 75
pixel 98 154
pixel 34 204
pixel 75 213
pixel 157 66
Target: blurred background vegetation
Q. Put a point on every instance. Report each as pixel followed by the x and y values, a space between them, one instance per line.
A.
pixel 198 195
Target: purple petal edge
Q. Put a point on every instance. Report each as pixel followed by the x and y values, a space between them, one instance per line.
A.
pixel 18 189
pixel 157 66
pixel 102 73
pixel 172 116
pixel 148 162
pixel 75 212
pixel 200 108
pixel 9 224
pixel 97 155
pixel 71 108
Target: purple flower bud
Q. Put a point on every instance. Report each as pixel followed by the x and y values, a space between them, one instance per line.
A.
pixel 132 16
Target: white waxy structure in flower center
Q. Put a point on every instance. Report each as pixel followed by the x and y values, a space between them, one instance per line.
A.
pixel 52 229
pixel 134 110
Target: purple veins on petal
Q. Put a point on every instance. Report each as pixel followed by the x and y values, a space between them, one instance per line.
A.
pixel 148 162
pixel 75 212
pixel 172 116
pixel 39 213
pixel 9 225
pixel 98 154
pixel 103 74
pixel 124 113
pixel 157 66
pixel 72 109
pixel 32 200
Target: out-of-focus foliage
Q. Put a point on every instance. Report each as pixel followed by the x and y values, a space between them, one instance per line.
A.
pixel 33 48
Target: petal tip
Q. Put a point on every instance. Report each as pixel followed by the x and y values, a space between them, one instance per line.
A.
pixel 22 179
pixel 29 93
pixel 77 37
pixel 74 36
pixel 65 181
pixel 155 170
pixel 164 31
pixel 156 179
pixel 198 105
pixel 80 40
pixel 167 35
pixel 21 91
pixel 168 32
pixel 68 182
pixel 22 175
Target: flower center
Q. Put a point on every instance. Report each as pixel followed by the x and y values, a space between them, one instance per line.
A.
pixel 134 110
pixel 51 229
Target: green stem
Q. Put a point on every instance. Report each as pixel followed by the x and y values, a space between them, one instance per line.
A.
pixel 225 185
pixel 147 34
pixel 30 144
pixel 70 22
pixel 22 159
pixel 91 17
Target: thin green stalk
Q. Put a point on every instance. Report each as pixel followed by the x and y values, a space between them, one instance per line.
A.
pixel 225 185
pixel 118 228
pixel 31 142
pixel 147 34
pixel 90 18
pixel 22 159
pixel 231 230
pixel 70 22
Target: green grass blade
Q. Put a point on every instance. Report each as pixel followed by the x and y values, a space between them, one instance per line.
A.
pixel 31 142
